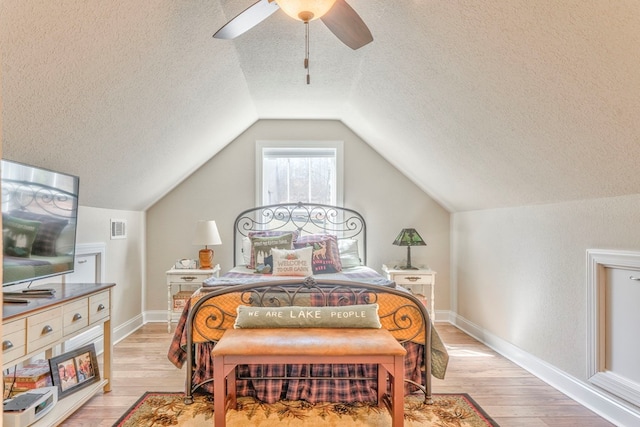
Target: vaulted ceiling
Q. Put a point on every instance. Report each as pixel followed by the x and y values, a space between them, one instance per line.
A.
pixel 482 104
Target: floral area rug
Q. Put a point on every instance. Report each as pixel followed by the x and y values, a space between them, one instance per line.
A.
pixel 168 409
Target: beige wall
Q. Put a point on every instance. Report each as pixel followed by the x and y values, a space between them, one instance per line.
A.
pixel 224 186
pixel 123 257
pixel 520 273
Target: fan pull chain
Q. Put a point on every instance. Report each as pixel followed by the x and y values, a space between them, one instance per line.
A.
pixel 306 50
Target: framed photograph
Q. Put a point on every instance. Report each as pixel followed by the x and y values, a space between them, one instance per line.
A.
pixel 74 370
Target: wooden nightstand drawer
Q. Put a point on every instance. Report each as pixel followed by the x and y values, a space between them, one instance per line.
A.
pixel 44 328
pixel 99 305
pixel 14 340
pixel 75 315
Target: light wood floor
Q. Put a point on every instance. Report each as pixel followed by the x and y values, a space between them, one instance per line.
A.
pixel 511 395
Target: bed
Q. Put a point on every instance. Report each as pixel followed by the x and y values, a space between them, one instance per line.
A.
pixel 255 280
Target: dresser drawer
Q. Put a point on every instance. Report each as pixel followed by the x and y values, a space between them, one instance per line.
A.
pixel 408 278
pixel 44 328
pixel 75 315
pixel 99 307
pixel 188 278
pixel 14 341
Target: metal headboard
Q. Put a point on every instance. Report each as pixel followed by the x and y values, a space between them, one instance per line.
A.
pixel 306 218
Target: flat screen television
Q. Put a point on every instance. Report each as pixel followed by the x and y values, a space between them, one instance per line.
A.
pixel 39 222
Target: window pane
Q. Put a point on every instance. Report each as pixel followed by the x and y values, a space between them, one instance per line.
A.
pixel 299 175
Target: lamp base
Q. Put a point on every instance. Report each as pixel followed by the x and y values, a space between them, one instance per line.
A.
pixel 408 266
pixel 206 259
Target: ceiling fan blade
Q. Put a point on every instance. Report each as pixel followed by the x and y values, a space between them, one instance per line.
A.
pixel 247 19
pixel 347 25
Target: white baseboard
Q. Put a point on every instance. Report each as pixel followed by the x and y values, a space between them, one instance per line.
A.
pixel 441 316
pixel 155 316
pixel 612 409
pixel 94 335
pixel 127 328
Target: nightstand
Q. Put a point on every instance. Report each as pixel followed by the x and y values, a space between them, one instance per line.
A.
pixel 420 282
pixel 191 279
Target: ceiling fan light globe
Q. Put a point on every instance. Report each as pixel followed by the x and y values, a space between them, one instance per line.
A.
pixel 305 10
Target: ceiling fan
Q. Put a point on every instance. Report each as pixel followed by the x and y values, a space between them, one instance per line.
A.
pixel 337 15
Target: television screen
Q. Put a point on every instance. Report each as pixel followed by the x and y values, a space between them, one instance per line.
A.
pixel 39 219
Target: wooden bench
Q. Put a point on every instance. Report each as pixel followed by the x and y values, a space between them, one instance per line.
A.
pixel 308 346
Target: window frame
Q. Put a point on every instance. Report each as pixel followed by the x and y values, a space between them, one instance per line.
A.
pixel 261 145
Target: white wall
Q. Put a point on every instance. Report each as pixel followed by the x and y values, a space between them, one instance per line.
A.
pixel 123 257
pixel 520 273
pixel 224 187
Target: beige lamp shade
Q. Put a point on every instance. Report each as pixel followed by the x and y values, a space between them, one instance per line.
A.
pixel 305 10
pixel 206 234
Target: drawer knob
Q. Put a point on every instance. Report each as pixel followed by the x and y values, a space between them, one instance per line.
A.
pixel 637 279
pixel 412 278
pixel 6 345
pixel 188 278
pixel 101 307
pixel 77 316
pixel 46 330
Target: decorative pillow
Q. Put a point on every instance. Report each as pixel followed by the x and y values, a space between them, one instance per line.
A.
pixel 271 233
pixel 18 236
pixel 48 232
pixel 326 256
pixel 347 316
pixel 294 262
pixel 349 255
pixel 261 246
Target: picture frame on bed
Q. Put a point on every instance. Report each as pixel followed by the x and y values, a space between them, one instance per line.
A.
pixel 74 370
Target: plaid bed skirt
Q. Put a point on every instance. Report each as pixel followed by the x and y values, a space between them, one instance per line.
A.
pixel 331 388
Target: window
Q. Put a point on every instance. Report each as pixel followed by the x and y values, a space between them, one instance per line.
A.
pixel 290 172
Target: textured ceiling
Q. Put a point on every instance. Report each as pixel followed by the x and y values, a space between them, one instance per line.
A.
pixel 482 104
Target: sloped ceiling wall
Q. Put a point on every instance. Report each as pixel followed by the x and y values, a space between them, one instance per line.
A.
pixel 482 104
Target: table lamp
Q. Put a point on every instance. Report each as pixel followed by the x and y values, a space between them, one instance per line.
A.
pixel 409 237
pixel 206 234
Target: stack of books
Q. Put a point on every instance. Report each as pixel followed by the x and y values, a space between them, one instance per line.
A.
pixel 27 377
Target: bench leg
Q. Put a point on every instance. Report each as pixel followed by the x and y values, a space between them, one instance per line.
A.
pixel 397 393
pixel 382 383
pixel 219 392
pixel 231 389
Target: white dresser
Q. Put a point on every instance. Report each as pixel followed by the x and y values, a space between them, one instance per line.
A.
pixel 183 280
pixel 421 282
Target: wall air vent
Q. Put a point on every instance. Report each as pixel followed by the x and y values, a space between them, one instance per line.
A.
pixel 118 229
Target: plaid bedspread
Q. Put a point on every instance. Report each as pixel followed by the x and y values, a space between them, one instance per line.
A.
pixel 241 274
pixel 332 389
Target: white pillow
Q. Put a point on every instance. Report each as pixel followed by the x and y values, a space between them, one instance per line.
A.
pixel 349 255
pixel 293 262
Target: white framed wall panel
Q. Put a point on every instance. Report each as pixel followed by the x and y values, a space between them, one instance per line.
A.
pixel 613 298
